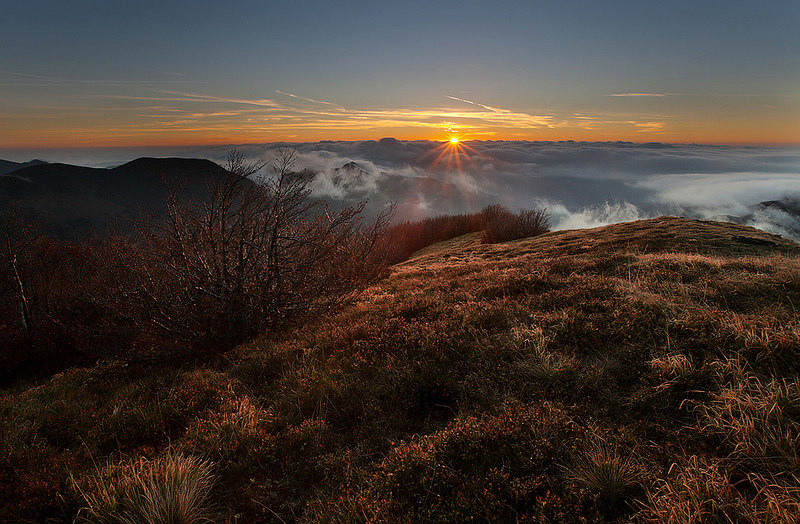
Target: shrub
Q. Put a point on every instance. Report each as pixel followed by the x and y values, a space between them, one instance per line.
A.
pixel 501 225
pixel 218 271
pixel 405 238
pixel 493 468
pixel 208 274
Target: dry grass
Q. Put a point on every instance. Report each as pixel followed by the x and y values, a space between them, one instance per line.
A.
pixel 610 473
pixel 697 491
pixel 760 421
pixel 458 386
pixel 700 490
pixel 172 490
pixel 672 366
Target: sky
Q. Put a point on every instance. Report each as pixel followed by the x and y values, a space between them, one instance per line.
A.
pixel 110 74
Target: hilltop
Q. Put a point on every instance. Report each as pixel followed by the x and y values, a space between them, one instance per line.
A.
pixel 642 370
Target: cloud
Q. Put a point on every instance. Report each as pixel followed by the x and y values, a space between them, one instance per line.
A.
pixel 582 184
pixel 594 216
pixel 775 221
pixel 646 94
pixel 307 99
pixel 720 193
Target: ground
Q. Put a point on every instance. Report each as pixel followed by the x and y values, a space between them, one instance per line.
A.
pixel 646 371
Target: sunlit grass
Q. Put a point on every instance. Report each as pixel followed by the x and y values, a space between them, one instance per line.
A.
pixel 172 490
pixel 640 371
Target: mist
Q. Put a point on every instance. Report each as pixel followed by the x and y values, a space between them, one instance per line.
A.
pixel 581 184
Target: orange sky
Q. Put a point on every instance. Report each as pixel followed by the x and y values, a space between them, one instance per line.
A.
pixel 191 119
pixel 89 74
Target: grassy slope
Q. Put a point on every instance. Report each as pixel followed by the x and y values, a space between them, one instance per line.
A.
pixel 559 377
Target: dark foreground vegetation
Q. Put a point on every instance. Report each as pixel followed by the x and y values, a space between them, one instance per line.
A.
pixel 645 371
pixel 213 270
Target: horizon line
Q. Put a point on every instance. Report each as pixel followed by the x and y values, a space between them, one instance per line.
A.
pixel 288 142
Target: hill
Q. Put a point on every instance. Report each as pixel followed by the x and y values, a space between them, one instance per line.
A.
pixel 6 166
pixel 643 370
pixel 80 201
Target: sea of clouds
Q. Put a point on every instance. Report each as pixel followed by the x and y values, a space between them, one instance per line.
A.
pixel 581 184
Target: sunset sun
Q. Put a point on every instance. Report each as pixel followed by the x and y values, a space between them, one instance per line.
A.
pixel 454 140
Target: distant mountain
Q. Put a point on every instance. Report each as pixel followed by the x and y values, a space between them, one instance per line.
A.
pixel 6 166
pixel 351 177
pixel 788 206
pixel 777 216
pixel 77 201
pixel 414 196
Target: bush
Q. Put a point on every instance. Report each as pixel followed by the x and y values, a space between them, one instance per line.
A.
pixel 501 225
pixel 405 238
pixel 497 223
pixel 251 256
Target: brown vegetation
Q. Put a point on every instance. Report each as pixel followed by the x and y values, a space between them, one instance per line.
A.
pixel 501 225
pixel 495 222
pixel 210 273
pixel 643 371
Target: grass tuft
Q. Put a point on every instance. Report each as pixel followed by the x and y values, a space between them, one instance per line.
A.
pixel 172 490
pixel 759 419
pixel 605 471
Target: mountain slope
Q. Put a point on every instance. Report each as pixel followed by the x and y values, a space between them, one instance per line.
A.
pixel 645 368
pixel 6 166
pixel 80 201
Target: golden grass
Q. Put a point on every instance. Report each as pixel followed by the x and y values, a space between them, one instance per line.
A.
pixel 172 490
pixel 610 473
pixel 457 387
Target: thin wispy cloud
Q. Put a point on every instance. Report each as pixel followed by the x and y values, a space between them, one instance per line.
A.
pixel 214 115
pixel 658 95
pixel 307 99
pixel 196 97
pixel 649 127
pixel 488 108
pixel 460 99
pixel 334 116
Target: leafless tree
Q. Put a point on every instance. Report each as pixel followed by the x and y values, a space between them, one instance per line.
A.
pixel 18 234
pixel 248 257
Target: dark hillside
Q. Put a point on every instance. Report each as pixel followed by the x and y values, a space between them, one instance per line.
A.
pixel 643 371
pixel 80 201
pixel 6 166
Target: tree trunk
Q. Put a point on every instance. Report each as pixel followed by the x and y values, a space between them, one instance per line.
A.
pixel 23 299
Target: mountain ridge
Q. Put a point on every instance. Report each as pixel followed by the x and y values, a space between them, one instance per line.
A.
pixel 79 201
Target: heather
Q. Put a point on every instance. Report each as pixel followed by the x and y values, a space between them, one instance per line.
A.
pixel 643 371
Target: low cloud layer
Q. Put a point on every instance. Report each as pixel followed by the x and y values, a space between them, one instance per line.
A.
pixel 582 184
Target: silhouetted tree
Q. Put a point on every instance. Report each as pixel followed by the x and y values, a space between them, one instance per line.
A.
pixel 248 257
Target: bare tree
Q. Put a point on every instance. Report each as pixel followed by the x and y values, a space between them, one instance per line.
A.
pixel 18 235
pixel 250 256
pixel 237 164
